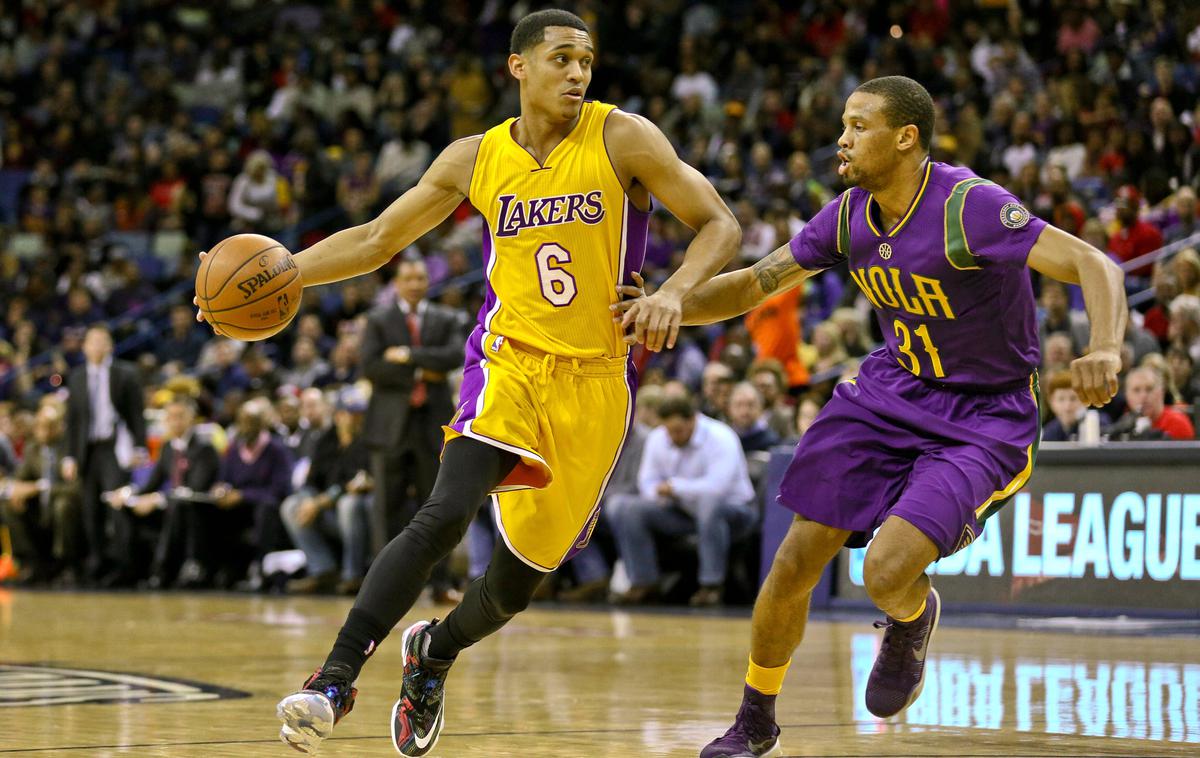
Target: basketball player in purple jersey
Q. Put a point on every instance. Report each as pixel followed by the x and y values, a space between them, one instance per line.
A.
pixel 941 426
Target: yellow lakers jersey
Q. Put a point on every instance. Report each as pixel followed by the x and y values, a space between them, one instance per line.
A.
pixel 558 239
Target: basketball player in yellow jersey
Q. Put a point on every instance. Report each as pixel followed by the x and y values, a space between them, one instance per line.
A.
pixel 547 393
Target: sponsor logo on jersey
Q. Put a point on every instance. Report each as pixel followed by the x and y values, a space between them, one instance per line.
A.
pixel 885 250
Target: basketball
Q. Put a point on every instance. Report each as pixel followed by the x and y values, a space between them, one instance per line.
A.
pixel 248 287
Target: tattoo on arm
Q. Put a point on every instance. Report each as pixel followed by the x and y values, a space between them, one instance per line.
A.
pixel 773 269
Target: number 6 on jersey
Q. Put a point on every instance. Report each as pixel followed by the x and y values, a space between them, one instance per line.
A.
pixel 558 286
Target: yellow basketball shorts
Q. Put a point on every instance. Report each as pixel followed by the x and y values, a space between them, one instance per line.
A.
pixel 567 418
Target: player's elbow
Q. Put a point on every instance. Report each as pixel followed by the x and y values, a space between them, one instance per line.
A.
pixel 731 232
pixel 1116 274
pixel 1100 263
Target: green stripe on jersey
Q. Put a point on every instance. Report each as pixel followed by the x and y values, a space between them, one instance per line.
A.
pixel 958 252
pixel 843 229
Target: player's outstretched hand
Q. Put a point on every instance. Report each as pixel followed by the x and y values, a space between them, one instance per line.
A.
pixel 655 319
pixel 1094 377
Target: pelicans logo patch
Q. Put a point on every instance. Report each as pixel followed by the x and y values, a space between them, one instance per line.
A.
pixel 1014 215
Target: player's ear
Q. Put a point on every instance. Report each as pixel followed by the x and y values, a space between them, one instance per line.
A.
pixel 516 66
pixel 908 137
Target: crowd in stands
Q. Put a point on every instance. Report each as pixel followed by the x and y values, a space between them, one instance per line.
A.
pixel 134 133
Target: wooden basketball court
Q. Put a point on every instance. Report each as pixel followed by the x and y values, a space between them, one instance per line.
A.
pixel 199 675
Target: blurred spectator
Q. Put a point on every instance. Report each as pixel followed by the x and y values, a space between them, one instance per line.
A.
pixel 39 506
pixel 806 413
pixel 258 199
pixel 224 373
pixel 692 480
pixel 1057 353
pixel 306 365
pixel 715 385
pixel 408 349
pixel 185 339
pixel 747 419
pixel 1184 221
pixel 314 419
pixel 1184 375
pixel 254 479
pixel 358 190
pixel 343 363
pixel 187 466
pixel 767 377
pixel 1066 408
pixel 1057 316
pixel 1064 211
pixel 853 327
pixel 775 328
pixel 1134 237
pixel 1149 417
pixel 1186 268
pixel 402 159
pixel 827 351
pixel 106 432
pixel 1184 330
pixel 335 500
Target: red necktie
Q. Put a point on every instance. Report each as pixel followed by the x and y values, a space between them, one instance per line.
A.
pixel 178 468
pixel 419 392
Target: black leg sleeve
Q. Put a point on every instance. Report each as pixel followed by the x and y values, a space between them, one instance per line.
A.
pixel 502 592
pixel 470 470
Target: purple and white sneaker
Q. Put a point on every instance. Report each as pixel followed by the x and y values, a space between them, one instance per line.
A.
pixel 754 733
pixel 899 672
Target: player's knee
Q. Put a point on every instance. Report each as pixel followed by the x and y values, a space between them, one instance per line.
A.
pixel 883 580
pixel 793 575
pixel 443 522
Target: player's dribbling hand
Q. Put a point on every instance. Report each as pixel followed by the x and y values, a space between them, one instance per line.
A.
pixel 1094 377
pixel 196 299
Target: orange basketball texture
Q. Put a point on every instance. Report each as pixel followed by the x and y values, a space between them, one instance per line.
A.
pixel 248 287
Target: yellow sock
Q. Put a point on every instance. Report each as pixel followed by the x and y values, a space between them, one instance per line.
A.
pixel 916 615
pixel 765 680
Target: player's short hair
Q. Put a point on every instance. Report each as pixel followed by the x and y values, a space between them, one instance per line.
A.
pixel 531 30
pixel 676 407
pixel 906 102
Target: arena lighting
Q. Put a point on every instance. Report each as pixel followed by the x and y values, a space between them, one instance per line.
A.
pixel 896 31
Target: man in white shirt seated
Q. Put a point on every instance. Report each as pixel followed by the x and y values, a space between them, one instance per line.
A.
pixel 692 480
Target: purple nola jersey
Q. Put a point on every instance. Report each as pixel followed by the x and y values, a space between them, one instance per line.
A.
pixel 948 282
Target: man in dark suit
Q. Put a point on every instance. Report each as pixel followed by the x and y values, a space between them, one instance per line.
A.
pixel 106 434
pixel 185 471
pixel 407 350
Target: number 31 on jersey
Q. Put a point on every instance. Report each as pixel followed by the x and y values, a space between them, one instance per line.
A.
pixel 906 345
